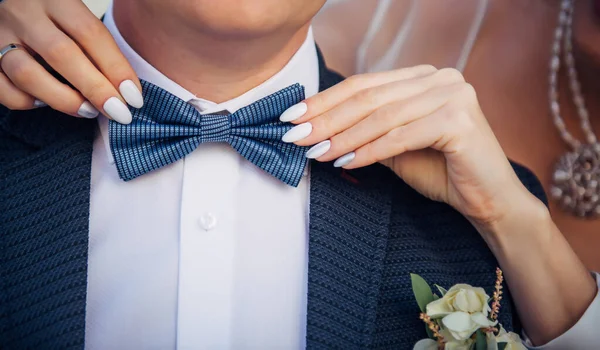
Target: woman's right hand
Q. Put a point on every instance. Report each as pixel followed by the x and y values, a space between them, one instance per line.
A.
pixel 73 42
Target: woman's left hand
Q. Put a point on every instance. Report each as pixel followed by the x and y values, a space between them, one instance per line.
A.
pixel 423 123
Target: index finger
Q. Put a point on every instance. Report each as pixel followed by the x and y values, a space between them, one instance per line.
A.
pixel 326 100
pixel 99 45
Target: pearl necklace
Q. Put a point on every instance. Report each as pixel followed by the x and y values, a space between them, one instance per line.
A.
pixel 577 173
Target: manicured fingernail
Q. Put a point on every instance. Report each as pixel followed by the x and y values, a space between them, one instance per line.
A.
pixel 294 112
pixel 318 150
pixel 87 111
pixel 344 160
pixel 131 94
pixel 297 133
pixel 39 104
pixel 117 110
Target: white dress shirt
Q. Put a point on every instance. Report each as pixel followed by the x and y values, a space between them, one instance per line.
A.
pixel 209 252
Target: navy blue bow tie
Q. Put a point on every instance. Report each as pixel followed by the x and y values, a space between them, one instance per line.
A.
pixel 167 128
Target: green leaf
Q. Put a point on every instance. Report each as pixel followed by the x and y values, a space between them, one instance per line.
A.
pixel 502 345
pixel 422 291
pixel 442 290
pixel 429 332
pixel 480 340
pixel 435 297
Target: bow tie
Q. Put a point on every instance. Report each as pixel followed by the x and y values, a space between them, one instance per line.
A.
pixel 167 128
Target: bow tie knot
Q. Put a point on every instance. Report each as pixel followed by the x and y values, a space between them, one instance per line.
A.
pixel 215 128
pixel 167 129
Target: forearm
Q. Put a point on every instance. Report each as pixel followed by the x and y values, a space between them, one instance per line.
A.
pixel 550 285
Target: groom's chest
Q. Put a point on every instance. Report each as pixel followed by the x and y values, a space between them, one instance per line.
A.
pixel 76 255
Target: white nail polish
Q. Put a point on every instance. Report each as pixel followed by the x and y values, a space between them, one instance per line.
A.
pixel 87 111
pixel 297 133
pixel 39 104
pixel 318 150
pixel 117 110
pixel 131 94
pixel 294 112
pixel 344 160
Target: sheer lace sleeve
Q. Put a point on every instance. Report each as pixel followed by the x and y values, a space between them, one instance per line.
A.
pixel 583 335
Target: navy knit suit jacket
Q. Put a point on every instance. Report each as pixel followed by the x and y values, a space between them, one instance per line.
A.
pixel 368 231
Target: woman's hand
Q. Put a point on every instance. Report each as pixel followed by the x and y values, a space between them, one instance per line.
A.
pixel 427 126
pixel 71 40
pixel 423 123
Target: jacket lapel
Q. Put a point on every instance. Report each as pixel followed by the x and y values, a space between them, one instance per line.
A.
pixel 349 219
pixel 44 211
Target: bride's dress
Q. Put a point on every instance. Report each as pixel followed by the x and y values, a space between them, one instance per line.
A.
pixel 359 36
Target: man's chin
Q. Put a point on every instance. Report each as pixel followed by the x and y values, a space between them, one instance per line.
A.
pixel 249 19
pixel 243 31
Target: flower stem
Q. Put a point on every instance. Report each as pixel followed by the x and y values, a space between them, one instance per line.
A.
pixel 497 295
pixel 435 329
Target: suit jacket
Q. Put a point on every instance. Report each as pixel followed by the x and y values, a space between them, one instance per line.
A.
pixel 368 231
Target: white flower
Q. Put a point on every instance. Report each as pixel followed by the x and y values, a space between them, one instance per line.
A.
pixel 462 325
pixel 461 297
pixel 512 340
pixel 426 344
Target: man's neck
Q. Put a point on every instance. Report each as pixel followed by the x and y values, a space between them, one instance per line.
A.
pixel 213 68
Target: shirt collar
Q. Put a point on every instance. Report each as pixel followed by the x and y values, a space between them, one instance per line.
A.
pixel 295 71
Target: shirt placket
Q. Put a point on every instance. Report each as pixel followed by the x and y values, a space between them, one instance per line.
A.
pixel 207 248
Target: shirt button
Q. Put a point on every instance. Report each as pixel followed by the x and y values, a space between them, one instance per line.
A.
pixel 208 221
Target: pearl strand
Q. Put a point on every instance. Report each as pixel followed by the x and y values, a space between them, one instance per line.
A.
pixel 564 34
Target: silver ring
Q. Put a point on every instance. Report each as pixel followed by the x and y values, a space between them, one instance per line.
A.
pixel 8 48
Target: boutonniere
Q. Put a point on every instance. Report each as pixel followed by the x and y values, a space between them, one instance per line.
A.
pixel 462 318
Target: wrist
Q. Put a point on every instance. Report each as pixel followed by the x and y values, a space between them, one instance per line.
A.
pixel 526 219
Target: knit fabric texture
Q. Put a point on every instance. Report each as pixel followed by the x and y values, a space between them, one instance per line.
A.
pixel 368 232
pixel 44 214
